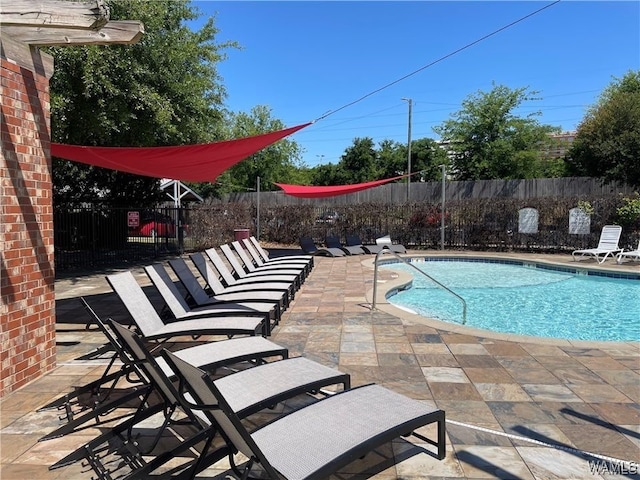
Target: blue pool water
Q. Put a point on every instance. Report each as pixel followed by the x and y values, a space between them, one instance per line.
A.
pixel 525 299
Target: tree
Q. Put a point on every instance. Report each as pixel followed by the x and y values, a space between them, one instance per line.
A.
pixel 392 158
pixel 165 90
pixel 427 157
pixel 486 140
pixel 280 162
pixel 358 163
pixel 607 142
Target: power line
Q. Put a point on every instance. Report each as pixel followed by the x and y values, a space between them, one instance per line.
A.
pixel 455 52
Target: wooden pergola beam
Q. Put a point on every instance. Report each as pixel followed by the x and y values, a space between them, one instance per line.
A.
pixel 54 13
pixel 124 32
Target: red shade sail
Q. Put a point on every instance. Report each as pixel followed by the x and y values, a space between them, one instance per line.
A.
pixel 192 163
pixel 305 191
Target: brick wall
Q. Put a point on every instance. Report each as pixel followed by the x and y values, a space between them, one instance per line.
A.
pixel 27 309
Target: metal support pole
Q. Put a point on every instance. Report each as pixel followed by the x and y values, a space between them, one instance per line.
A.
pixel 410 101
pixel 442 213
pixel 258 208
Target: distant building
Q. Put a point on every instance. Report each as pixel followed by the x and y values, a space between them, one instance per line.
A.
pixel 560 145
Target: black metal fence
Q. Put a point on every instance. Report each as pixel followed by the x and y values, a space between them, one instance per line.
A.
pixel 92 236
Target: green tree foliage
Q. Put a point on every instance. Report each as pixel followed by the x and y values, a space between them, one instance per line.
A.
pixel 358 163
pixel 607 143
pixel 427 157
pixel 280 162
pixel 165 90
pixel 392 159
pixel 487 140
pixel 363 162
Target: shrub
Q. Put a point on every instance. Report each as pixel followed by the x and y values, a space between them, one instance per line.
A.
pixel 629 212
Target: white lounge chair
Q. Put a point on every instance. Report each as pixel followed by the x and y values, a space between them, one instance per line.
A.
pixel 608 245
pixel 632 255
pixel 387 243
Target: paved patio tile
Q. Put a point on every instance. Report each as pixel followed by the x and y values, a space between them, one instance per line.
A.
pixel 437 360
pixel 445 374
pixel 599 394
pixel 579 396
pixel 554 464
pixel 489 375
pixel 502 392
pixel 492 462
pixel 550 393
pixel 516 413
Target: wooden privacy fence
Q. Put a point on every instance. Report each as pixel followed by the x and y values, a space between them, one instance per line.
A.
pixel 431 192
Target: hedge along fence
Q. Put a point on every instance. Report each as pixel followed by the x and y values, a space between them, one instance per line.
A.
pixel 478 224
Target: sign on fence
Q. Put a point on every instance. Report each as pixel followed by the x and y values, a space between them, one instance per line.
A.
pixel 133 219
pixel 579 222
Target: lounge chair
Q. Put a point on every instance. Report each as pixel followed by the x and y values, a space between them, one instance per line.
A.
pixel 632 255
pixel 95 399
pixel 152 327
pixel 354 241
pixel 210 356
pixel 96 450
pixel 200 297
pixel 332 241
pixel 180 309
pixel 231 281
pixel 266 257
pixel 385 241
pixel 252 389
pixel 318 439
pixel 303 264
pixel 308 246
pixel 211 276
pixel 272 274
pixel 608 245
pixel 251 265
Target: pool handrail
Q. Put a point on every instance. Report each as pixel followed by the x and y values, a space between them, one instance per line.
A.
pixel 406 262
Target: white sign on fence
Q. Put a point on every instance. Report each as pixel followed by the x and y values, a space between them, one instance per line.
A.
pixel 579 222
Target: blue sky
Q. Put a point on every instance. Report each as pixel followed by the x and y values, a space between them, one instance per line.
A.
pixel 304 59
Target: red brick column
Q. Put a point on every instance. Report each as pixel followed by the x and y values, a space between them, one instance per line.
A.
pixel 27 308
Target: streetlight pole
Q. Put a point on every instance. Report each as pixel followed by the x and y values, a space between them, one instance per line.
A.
pixel 320 157
pixel 442 210
pixel 410 101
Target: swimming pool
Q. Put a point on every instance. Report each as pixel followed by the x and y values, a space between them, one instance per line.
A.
pixel 525 298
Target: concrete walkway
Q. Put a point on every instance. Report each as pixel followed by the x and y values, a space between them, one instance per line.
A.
pixel 517 407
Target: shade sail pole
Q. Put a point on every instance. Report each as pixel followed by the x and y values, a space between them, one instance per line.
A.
pixel 444 184
pixel 258 208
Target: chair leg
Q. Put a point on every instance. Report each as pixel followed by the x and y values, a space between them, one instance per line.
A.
pixel 95 413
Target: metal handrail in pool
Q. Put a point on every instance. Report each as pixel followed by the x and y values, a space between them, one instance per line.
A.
pixel 375 281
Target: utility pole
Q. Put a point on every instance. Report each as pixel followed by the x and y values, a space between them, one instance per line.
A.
pixel 410 101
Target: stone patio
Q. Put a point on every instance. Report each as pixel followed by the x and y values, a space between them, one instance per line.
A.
pixel 517 407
